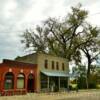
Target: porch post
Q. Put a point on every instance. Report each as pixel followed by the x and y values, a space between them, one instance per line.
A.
pixel 59 83
pixel 68 84
pixel 48 84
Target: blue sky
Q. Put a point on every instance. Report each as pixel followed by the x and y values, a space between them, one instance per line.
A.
pixel 17 15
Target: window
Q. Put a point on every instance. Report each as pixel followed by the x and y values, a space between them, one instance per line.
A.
pixel 9 81
pixel 30 83
pixel 57 65
pixel 63 82
pixel 20 81
pixel 63 66
pixel 52 64
pixel 44 81
pixel 46 64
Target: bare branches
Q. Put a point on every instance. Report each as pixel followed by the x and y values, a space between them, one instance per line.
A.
pixel 63 37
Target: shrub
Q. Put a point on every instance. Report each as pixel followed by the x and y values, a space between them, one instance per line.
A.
pixel 98 86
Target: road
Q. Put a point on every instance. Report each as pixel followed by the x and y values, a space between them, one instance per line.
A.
pixel 81 95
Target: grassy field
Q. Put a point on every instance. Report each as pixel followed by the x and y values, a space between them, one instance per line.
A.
pixel 81 95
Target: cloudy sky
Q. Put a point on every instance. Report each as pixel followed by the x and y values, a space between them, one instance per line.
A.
pixel 17 15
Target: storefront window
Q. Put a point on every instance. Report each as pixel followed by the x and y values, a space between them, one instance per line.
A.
pixel 20 81
pixel 43 81
pixel 9 81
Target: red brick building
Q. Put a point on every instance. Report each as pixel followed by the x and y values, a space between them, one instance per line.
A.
pixel 36 72
pixel 17 77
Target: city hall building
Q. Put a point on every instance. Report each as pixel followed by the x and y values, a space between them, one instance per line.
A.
pixel 36 72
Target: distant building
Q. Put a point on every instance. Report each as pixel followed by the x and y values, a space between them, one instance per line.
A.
pixel 34 73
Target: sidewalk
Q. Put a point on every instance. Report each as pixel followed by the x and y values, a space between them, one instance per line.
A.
pixel 81 95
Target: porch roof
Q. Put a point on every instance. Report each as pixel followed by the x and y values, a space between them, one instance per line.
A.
pixel 59 74
pixel 55 73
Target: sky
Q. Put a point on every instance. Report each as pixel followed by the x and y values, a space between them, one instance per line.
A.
pixel 18 15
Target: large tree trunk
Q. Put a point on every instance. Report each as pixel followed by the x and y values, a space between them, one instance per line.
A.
pixel 88 72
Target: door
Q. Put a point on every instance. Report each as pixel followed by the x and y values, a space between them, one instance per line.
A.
pixel 30 83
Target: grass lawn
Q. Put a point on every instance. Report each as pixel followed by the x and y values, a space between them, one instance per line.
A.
pixel 81 95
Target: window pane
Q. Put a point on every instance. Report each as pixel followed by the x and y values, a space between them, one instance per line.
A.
pixel 20 83
pixel 52 64
pixel 57 65
pixel 63 66
pixel 8 84
pixel 46 64
pixel 9 78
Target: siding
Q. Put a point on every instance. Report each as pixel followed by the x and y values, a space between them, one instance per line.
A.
pixel 43 57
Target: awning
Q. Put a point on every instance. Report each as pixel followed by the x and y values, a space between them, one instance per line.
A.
pixel 73 75
pixel 55 73
pixel 59 74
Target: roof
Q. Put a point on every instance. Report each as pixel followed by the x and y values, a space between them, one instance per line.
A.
pixel 73 75
pixel 59 74
pixel 17 63
pixel 36 53
pixel 55 73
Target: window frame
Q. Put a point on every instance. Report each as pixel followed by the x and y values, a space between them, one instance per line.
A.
pixel 53 65
pixel 63 66
pixel 46 63
pixel 57 65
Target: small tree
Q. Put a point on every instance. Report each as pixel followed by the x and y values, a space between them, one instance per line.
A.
pixel 82 79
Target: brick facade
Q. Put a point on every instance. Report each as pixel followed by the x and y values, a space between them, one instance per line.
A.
pixel 39 59
pixel 34 65
pixel 16 68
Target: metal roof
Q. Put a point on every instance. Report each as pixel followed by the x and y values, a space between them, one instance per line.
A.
pixel 55 73
pixel 58 74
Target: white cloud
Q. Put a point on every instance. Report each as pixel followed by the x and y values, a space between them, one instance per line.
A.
pixel 17 15
pixel 94 13
pixel 9 8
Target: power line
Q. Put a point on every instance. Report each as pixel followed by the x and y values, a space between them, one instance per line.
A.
pixel 11 31
pixel 98 13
